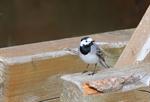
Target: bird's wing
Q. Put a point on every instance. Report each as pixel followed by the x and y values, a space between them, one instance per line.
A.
pixel 100 54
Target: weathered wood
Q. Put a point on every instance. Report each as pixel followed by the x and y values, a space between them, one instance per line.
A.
pixel 138 48
pixel 74 91
pixel 39 80
pixel 34 70
pixel 112 84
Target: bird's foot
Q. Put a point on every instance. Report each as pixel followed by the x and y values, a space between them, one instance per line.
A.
pixel 85 71
pixel 92 73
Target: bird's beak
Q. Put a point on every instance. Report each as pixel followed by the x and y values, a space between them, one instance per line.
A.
pixel 93 41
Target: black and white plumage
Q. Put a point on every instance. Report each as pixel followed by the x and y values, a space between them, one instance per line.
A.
pixel 90 53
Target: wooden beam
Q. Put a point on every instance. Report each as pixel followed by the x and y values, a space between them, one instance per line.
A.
pixel 138 48
pixel 74 89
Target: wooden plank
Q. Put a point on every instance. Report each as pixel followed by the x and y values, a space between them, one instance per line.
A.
pixel 42 81
pixel 138 48
pixel 74 89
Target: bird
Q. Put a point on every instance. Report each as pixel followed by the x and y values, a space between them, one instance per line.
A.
pixel 90 53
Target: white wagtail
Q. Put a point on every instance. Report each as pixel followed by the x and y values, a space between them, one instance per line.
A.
pixel 90 53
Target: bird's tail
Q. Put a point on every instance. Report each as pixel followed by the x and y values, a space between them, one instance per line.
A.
pixel 104 64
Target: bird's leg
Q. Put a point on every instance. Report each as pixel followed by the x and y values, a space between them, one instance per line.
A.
pixel 95 68
pixel 94 71
pixel 86 68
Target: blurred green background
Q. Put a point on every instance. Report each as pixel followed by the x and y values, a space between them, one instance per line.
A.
pixel 28 21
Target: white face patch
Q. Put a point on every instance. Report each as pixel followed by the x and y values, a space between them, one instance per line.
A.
pixel 89 39
pixel 86 41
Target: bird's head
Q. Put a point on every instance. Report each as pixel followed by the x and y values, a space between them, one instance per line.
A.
pixel 86 41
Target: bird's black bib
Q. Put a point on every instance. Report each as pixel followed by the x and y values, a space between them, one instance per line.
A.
pixel 85 49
